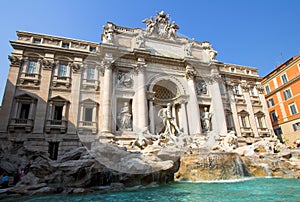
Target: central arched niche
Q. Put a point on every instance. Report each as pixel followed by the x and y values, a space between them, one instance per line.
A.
pixel 165 91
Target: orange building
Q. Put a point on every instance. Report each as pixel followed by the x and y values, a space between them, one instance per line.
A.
pixel 282 92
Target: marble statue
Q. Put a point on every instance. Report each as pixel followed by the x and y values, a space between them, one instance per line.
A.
pixel 206 117
pixel 161 26
pixel 213 54
pixel 108 33
pixel 187 49
pixel 150 25
pixel 162 17
pixel 169 122
pixel 124 117
pixel 172 29
pixel 140 40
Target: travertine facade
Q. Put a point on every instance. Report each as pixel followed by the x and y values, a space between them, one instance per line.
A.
pixel 59 89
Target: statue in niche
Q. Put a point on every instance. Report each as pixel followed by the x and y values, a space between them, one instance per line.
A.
pixel 140 40
pixel 169 122
pixel 201 88
pixel 124 117
pixel 125 79
pixel 206 117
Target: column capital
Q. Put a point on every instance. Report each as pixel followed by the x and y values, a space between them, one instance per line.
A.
pixel 140 66
pixel 190 72
pixel 75 66
pixel 107 62
pixel 48 64
pixel 15 61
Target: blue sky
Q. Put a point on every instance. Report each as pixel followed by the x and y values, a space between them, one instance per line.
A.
pixel 256 33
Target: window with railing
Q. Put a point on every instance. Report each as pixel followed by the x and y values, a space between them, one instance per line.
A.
pixel 57 114
pixel 23 113
pixel 88 117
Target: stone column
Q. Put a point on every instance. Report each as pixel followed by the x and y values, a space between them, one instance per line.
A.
pixel 151 112
pixel 107 94
pixel 233 108
pixel 184 117
pixel 141 97
pixel 251 120
pixel 218 115
pixel 192 105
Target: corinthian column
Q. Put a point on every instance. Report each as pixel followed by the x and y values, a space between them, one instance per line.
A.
pixel 192 105
pixel 107 95
pixel 141 97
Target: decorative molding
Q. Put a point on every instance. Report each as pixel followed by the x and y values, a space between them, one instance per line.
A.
pixel 75 67
pixel 47 64
pixel 15 61
pixel 190 72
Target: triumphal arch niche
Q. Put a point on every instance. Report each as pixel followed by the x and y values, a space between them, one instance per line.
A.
pixel 157 82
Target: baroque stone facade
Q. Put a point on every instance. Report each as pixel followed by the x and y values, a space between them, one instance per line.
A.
pixel 62 92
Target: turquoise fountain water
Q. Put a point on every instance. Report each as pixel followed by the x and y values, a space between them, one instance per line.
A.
pixel 248 189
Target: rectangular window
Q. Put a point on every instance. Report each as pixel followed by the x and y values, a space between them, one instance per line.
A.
pixel 267 88
pixel 90 73
pixel 278 131
pixel 236 90
pixel 65 45
pixel 57 112
pixel 93 49
pixel 53 150
pixel 296 126
pixel 260 122
pixel 287 94
pixel 88 114
pixel 31 69
pixel 274 116
pixel 36 41
pixel 284 78
pixel 244 122
pixel 62 71
pixel 271 102
pixel 24 111
pixel 293 109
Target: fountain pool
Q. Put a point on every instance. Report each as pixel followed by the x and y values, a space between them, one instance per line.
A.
pixel 247 189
